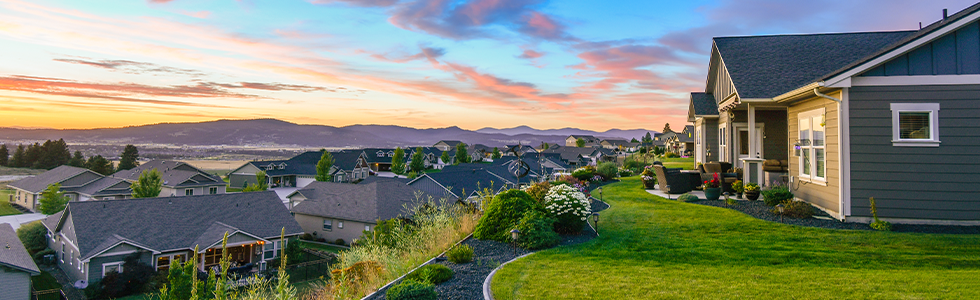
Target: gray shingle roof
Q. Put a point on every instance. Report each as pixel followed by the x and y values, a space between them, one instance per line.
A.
pixel 464 182
pixel 768 66
pixel 704 104
pixel 173 173
pixel 38 183
pixel 569 154
pixel 380 199
pixel 169 223
pixel 12 252
pixel 100 186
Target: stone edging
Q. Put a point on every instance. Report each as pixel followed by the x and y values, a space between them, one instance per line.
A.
pixel 487 295
pixel 416 268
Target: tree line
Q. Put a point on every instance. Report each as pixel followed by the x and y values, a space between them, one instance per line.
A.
pixel 52 154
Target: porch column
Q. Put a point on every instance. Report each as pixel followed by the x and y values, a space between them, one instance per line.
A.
pixel 752 165
pixel 752 135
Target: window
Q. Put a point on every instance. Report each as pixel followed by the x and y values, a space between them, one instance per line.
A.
pixel 188 192
pixel 70 255
pixel 212 190
pixel 915 124
pixel 112 267
pixel 164 261
pixel 328 225
pixel 62 251
pixel 367 227
pixel 271 249
pixel 813 152
pixel 722 142
pixel 109 198
pixel 340 224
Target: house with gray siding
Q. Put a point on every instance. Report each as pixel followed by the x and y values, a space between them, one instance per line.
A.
pixel 93 238
pixel 179 178
pixel 16 266
pixel 78 184
pixel 890 115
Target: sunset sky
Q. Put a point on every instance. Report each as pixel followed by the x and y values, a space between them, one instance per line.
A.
pixel 470 63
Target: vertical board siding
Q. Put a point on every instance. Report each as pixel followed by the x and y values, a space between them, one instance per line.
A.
pixel 956 53
pixel 711 138
pixel 775 142
pixel 14 285
pixel 935 183
pixel 826 197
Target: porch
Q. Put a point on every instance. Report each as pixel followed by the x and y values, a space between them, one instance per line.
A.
pixel 754 137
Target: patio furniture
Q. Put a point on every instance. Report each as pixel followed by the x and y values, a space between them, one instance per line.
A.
pixel 722 168
pixel 678 182
pixel 775 165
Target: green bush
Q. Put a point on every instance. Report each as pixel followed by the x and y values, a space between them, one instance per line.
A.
pixel 881 225
pixel 40 254
pixel 569 207
pixel 340 242
pixel 32 236
pixel 671 155
pixel 412 290
pixel 538 191
pixel 795 209
pixel 431 273
pixel 608 170
pixel 460 254
pixel 537 231
pixel 776 195
pixel 583 174
pixel 501 214
pixel 687 198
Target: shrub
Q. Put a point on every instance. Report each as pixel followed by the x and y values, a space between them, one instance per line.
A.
pixel 32 235
pixel 569 207
pixel 340 242
pixel 583 174
pixel 795 209
pixel 132 281
pixel 306 237
pixel 502 214
pixel 460 254
pixel 608 170
pixel 776 194
pixel 431 273
pixel 39 256
pixel 623 172
pixel 737 186
pixel 671 155
pixel 537 231
pixel 878 224
pixel 538 191
pixel 687 198
pixel 412 290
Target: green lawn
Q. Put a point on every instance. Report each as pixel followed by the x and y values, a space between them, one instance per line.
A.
pixel 20 171
pixel 46 282
pixel 5 208
pixel 655 248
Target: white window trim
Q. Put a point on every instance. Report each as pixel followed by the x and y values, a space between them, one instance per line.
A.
pixel 189 190
pixel 118 263
pixel 813 161
pixel 931 108
pixel 330 223
pixel 340 224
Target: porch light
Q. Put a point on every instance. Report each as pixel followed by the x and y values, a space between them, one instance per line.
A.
pixel 514 234
pixel 600 193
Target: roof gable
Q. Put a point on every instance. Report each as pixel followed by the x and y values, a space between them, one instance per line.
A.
pixel 38 183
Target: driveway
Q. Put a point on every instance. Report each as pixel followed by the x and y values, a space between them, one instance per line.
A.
pixel 16 220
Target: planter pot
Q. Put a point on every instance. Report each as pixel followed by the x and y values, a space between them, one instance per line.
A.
pixel 752 195
pixel 712 193
pixel 649 184
pixel 738 195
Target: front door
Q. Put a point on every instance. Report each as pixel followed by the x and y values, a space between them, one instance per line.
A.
pixel 742 143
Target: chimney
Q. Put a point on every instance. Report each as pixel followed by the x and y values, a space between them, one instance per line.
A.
pixel 945 13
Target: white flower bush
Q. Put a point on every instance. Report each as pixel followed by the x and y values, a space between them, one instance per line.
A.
pixel 569 206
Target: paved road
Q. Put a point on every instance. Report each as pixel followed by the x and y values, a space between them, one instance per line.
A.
pixel 17 220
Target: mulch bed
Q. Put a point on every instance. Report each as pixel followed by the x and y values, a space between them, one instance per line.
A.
pixel 760 210
pixel 467 280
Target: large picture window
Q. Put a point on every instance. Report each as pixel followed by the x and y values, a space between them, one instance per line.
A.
pixel 813 145
pixel 915 124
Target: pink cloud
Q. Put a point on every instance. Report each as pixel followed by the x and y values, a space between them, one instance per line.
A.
pixel 160 1
pixel 196 14
pixel 530 54
pixel 428 53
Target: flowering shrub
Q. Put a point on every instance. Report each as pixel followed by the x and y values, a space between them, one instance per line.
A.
pixel 597 178
pixel 581 186
pixel 712 184
pixel 569 206
pixel 648 174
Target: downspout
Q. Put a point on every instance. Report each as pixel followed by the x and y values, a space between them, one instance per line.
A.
pixel 816 91
pixel 840 106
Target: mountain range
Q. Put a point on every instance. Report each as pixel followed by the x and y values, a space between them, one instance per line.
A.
pixel 273 132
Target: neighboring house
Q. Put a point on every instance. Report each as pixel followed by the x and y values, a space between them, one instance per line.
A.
pixel 16 266
pixel 93 238
pixel 681 143
pixel 577 156
pixel 521 149
pixel 543 165
pixel 179 178
pixel 620 145
pixel 889 115
pixel 379 159
pixel 244 175
pixel 590 141
pixel 461 185
pixel 28 190
pixel 447 145
pixel 703 112
pixel 344 211
pixel 430 156
pixel 548 146
pixel 481 152
pixel 348 166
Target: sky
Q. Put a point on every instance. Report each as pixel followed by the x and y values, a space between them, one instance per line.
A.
pixel 586 64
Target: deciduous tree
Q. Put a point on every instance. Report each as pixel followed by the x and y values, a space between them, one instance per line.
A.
pixel 496 153
pixel 418 161
pixel 445 157
pixel 580 142
pixel 52 200
pixel 398 161
pixel 128 158
pixel 462 156
pixel 148 185
pixel 323 167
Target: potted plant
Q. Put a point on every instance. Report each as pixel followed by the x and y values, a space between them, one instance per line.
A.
pixel 712 188
pixel 752 191
pixel 738 188
pixel 649 178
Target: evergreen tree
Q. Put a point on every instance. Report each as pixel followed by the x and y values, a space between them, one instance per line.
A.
pixel 32 155
pixel 418 161
pixel 52 155
pixel 667 128
pixel 52 200
pixel 4 155
pixel 647 139
pixel 148 185
pixel 545 146
pixel 128 158
pixel 20 157
pixel 323 167
pixel 580 142
pixel 634 141
pixel 398 161
pixel 462 156
pixel 496 153
pixel 445 157
pixel 99 164
pixel 78 160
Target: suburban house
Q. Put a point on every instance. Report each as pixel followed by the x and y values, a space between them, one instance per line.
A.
pixel 244 175
pixel 348 166
pixel 590 141
pixel 681 143
pixel 78 184
pixel 16 266
pixel 521 149
pixel 481 152
pixel 853 116
pixel 430 155
pixel 344 211
pixel 179 178
pixel 447 145
pixel 92 238
pixel 460 185
pixel 540 165
pixel 577 156
pixel 621 145
pixel 300 170
pixel 379 159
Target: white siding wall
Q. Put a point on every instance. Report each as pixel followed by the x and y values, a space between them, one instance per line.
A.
pixel 14 285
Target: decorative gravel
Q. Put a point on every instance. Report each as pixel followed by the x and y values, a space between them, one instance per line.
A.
pixel 467 280
pixel 760 210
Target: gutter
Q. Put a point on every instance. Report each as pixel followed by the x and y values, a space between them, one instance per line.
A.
pixel 816 91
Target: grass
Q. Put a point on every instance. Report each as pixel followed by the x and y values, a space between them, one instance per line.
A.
pixel 20 171
pixel 332 249
pixel 5 208
pixel 655 248
pixel 46 281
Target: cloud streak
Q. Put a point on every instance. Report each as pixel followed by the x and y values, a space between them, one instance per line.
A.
pixel 132 67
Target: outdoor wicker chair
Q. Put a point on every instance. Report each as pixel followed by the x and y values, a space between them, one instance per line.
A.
pixel 678 182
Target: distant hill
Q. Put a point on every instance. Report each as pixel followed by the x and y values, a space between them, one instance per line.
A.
pixel 272 132
pixel 564 132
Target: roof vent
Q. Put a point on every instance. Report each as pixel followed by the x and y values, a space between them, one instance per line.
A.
pixel 945 14
pixel 8 246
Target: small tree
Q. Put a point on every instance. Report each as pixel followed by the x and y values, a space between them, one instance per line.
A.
pixel 260 185
pixel 398 161
pixel 99 164
pixel 52 200
pixel 445 157
pixel 462 156
pixel 580 142
pixel 128 158
pixel 545 146
pixel 77 160
pixel 667 128
pixel 4 155
pixel 323 167
pixel 32 236
pixel 634 141
pixel 496 153
pixel 148 185
pixel 418 161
